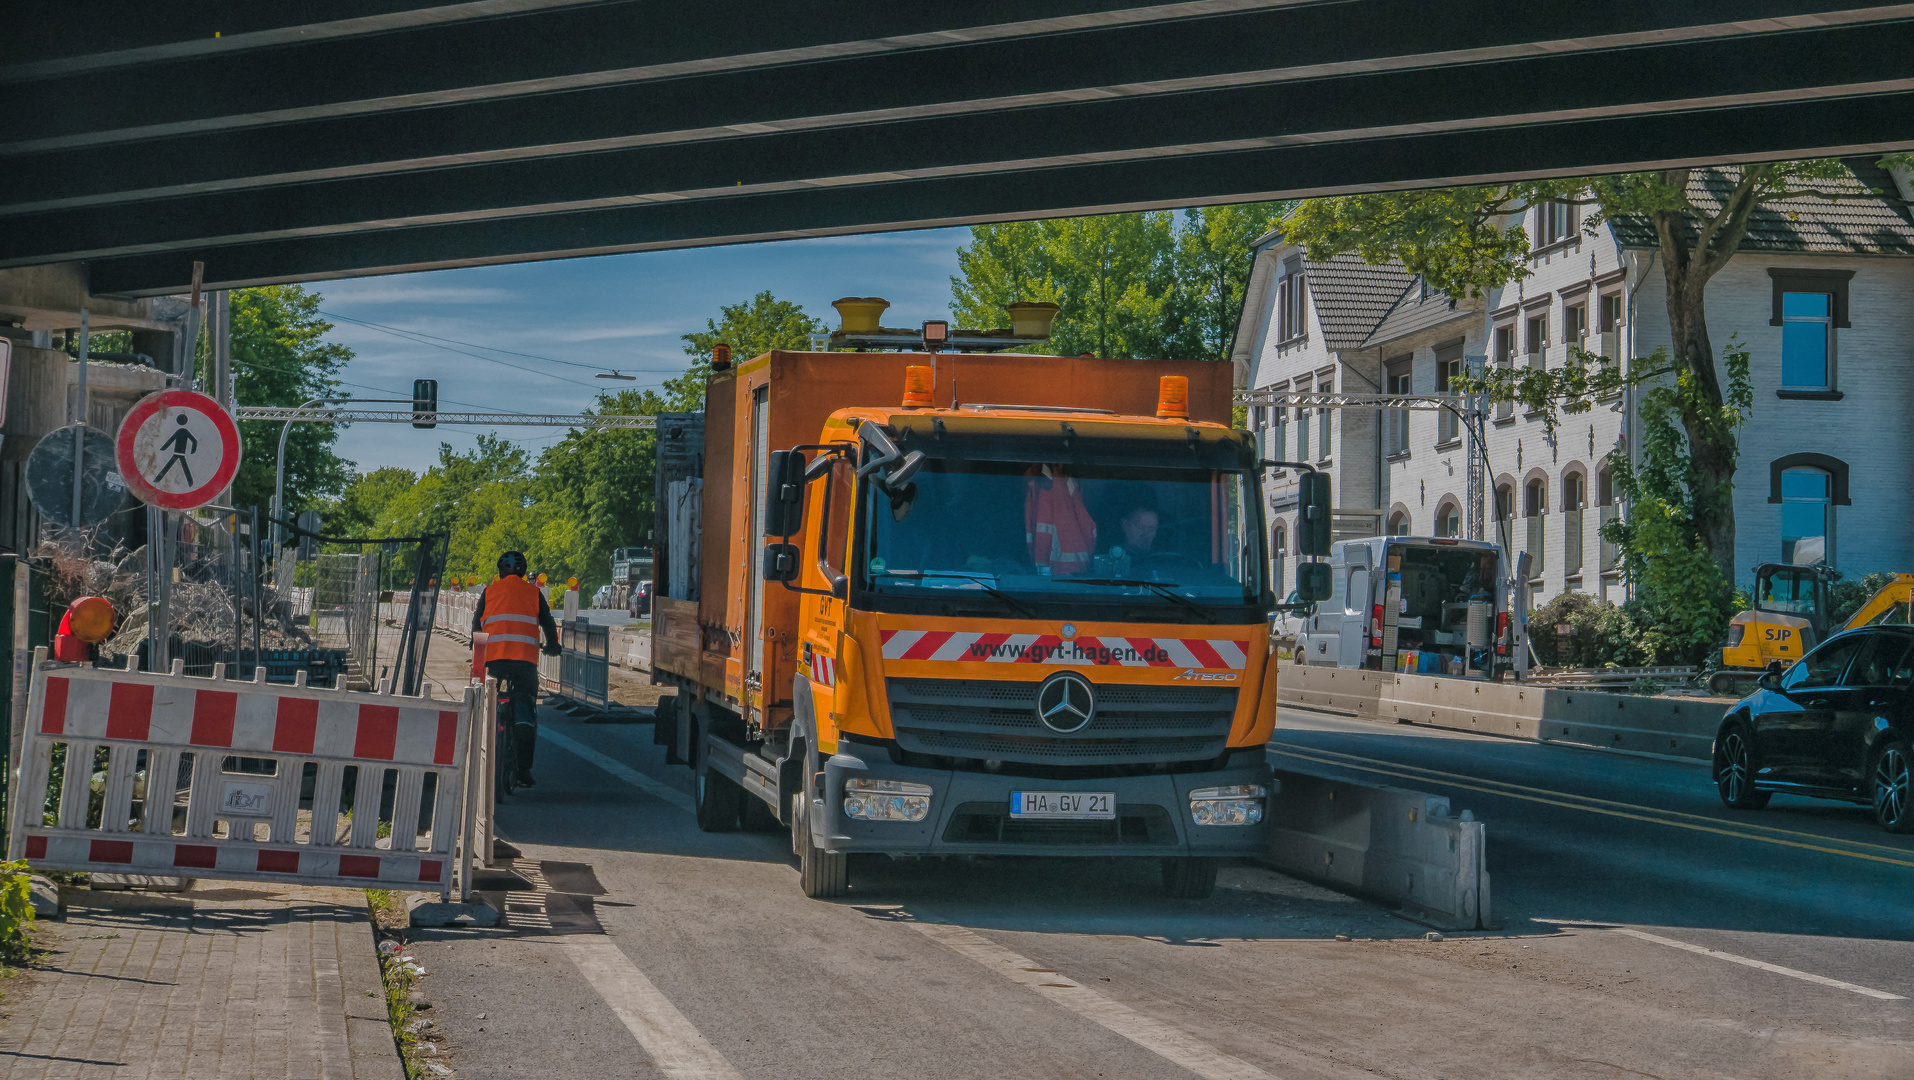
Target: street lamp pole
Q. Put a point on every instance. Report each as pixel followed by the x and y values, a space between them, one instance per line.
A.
pixel 279 470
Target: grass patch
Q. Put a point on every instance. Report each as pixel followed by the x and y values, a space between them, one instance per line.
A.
pixel 400 974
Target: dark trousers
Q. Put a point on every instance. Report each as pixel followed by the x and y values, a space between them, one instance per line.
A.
pixel 518 681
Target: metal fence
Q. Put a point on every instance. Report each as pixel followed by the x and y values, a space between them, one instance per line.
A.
pixel 584 668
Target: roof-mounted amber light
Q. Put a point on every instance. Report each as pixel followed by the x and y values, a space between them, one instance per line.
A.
pixel 1173 398
pixel 918 383
pixel 721 357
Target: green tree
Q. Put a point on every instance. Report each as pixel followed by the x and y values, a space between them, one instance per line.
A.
pixel 280 357
pixel 751 329
pixel 1156 284
pixel 1467 240
pixel 594 490
pixel 361 506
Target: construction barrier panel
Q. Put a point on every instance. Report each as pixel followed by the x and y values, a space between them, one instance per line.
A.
pixel 584 667
pixel 1390 843
pixel 138 773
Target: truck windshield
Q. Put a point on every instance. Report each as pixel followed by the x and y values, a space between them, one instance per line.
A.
pixel 1176 544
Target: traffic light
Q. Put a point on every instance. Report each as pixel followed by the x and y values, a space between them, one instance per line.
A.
pixel 425 403
pixel 308 546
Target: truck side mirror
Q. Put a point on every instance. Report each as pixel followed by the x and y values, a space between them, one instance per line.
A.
pixel 784 493
pixel 780 562
pixel 1314 581
pixel 1312 518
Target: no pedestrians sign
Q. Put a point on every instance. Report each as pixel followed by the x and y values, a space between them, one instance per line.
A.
pixel 178 449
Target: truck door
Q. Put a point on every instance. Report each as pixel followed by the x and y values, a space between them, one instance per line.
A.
pixel 759 451
pixel 1352 643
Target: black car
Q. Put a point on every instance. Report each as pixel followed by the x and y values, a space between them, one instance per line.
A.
pixel 1839 724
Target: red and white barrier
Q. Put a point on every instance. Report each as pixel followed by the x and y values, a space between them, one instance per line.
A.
pixel 169 775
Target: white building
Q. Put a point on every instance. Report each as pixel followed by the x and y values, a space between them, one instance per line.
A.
pixel 1819 293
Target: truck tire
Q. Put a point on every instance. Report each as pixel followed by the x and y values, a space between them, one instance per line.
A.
pixel 754 816
pixel 822 874
pixel 718 801
pixel 1189 877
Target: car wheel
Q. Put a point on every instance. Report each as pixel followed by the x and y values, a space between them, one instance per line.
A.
pixel 1735 772
pixel 1891 793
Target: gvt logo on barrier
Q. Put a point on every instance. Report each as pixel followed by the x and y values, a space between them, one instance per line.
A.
pixel 130 772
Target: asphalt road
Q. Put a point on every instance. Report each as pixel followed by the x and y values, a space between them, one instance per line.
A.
pixel 643 947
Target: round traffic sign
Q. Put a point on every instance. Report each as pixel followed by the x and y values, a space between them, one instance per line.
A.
pixel 178 449
pixel 50 478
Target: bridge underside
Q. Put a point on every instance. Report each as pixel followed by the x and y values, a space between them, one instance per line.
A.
pixel 404 135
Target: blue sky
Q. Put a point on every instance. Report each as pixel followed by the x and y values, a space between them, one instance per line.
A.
pixel 617 311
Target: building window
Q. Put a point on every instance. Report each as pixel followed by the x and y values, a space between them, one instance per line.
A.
pixel 1538 340
pixel 1807 516
pixel 1322 425
pixel 1278 546
pixel 1302 434
pixel 1574 496
pixel 1575 325
pixel 1397 379
pixel 1279 432
pixel 1535 504
pixel 1505 360
pixel 1291 296
pixel 1554 223
pixel 1449 520
pixel 1807 340
pixel 1608 326
pixel 1399 523
pixel 1607 512
pixel 1448 371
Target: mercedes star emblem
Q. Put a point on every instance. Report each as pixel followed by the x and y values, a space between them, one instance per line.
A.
pixel 1065 702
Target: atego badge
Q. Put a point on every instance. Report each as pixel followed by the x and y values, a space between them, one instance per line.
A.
pixel 178 449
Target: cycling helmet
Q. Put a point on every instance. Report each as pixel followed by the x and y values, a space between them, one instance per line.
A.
pixel 512 563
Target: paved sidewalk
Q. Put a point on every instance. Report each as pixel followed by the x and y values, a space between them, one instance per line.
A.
pixel 230 979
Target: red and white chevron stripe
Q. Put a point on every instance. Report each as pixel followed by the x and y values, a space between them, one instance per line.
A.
pixel 138 854
pixel 978 647
pixel 823 669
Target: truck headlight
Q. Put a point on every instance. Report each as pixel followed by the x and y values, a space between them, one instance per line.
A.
pixel 886 800
pixel 1237 804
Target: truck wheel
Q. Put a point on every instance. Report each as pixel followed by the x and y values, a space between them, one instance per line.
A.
pixel 718 800
pixel 1189 877
pixel 754 816
pixel 822 874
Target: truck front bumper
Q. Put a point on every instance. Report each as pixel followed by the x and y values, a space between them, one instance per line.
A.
pixel 970 813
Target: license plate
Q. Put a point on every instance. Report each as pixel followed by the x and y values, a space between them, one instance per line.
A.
pixel 1073 805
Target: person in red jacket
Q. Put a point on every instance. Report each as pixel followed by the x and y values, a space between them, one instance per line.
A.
pixel 511 611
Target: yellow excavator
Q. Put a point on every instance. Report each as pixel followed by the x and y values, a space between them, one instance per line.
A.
pixel 1790 616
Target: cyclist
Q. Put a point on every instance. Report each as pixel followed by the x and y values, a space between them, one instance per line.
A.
pixel 511 611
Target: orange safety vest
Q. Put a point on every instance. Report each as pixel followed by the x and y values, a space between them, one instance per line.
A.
pixel 511 620
pixel 1056 524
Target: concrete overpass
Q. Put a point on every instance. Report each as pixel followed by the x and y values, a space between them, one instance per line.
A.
pixel 282 142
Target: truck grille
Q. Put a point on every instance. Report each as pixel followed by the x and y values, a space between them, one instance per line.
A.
pixel 998 720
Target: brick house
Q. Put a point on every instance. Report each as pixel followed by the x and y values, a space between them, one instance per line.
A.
pixel 1819 293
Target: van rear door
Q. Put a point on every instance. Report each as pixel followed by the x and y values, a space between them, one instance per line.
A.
pixel 1352 638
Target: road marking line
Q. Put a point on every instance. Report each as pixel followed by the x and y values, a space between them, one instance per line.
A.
pixel 672 1041
pixel 1699 950
pixel 620 770
pixel 1170 1043
pixel 1648 814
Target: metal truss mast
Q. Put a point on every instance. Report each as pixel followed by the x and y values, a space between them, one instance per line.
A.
pixel 330 414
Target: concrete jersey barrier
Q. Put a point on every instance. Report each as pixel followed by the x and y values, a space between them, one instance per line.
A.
pixel 1666 727
pixel 1390 843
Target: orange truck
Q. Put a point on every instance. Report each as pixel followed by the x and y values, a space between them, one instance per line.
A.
pixel 923 604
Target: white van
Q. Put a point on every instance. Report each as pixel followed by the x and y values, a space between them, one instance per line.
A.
pixel 1418 604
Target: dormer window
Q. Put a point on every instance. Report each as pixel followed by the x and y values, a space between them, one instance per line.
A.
pixel 1291 296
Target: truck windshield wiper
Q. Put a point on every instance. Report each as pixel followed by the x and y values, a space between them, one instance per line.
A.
pixel 1028 611
pixel 1161 588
